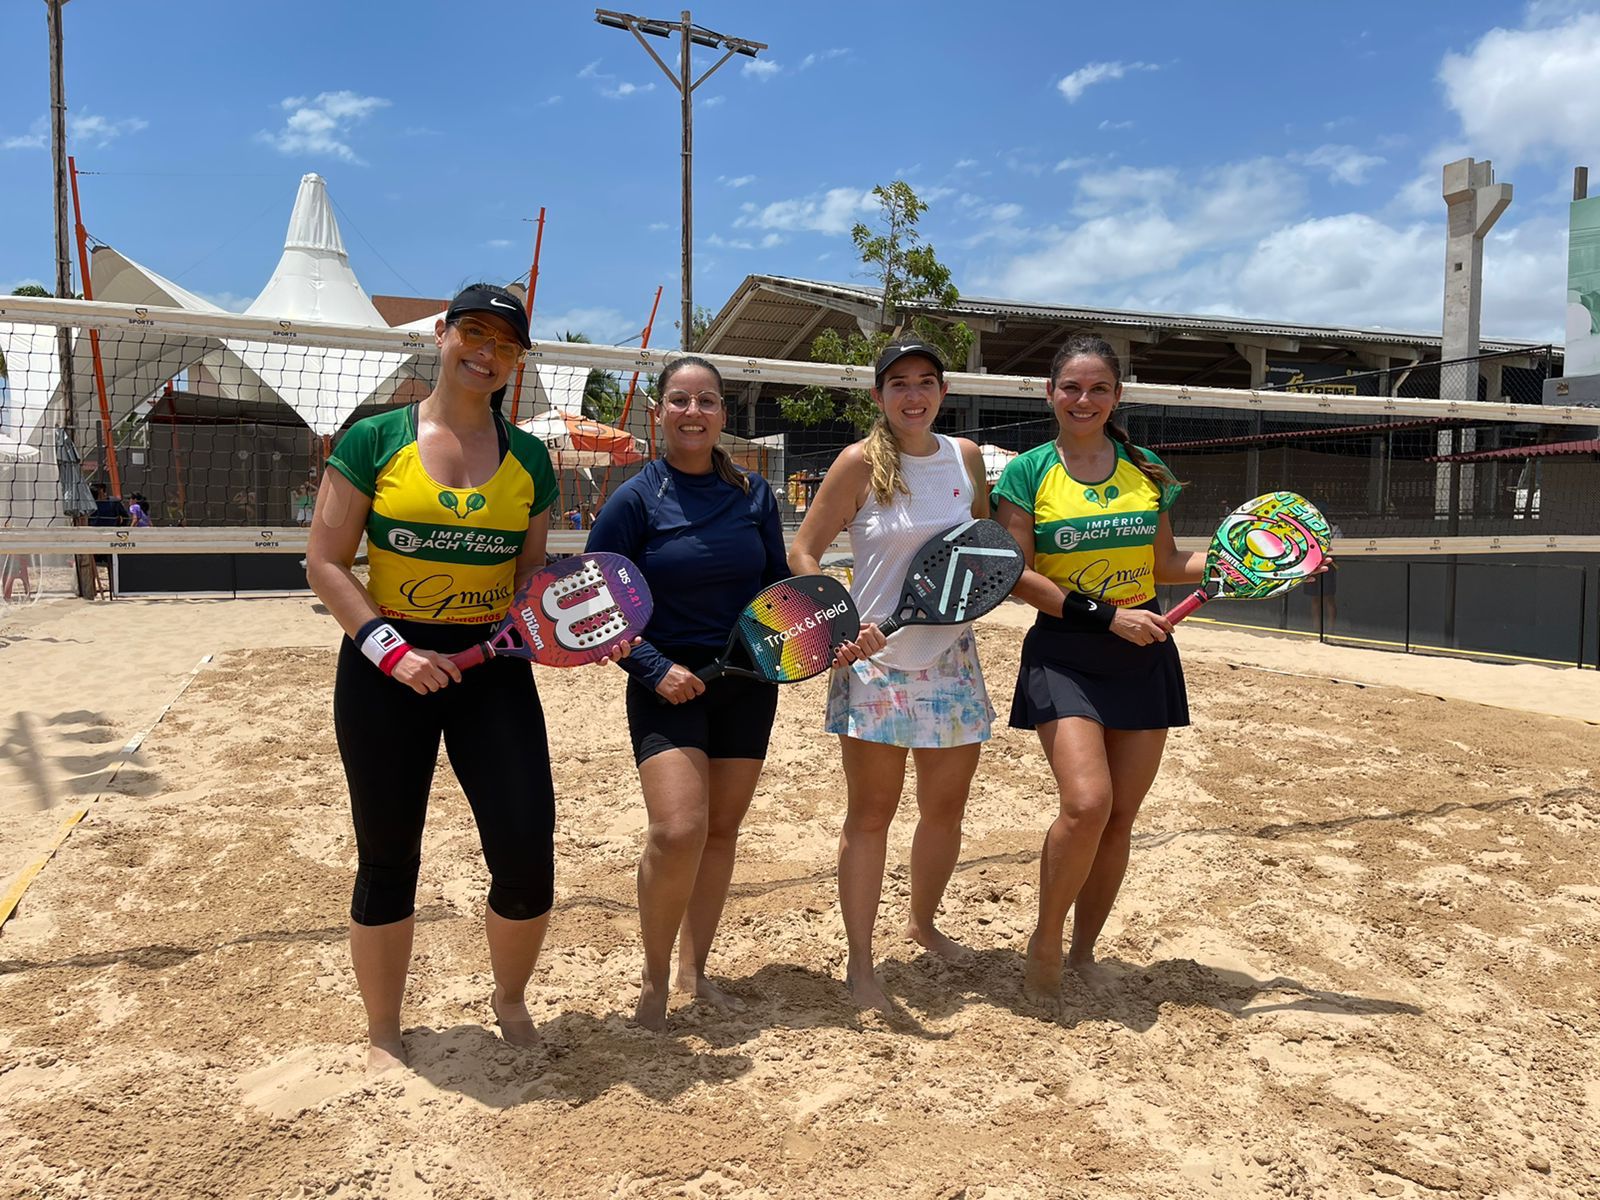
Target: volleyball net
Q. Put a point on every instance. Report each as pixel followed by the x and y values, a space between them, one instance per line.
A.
pixel 217 426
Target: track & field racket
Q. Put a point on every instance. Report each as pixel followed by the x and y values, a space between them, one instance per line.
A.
pixel 1262 548
pixel 575 611
pixel 788 632
pixel 958 575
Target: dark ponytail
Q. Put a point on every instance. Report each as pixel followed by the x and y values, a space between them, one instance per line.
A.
pixel 1083 345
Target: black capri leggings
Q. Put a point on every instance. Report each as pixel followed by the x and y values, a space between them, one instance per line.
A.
pixel 493 729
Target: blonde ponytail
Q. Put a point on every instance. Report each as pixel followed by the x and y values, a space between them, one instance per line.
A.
pixel 881 450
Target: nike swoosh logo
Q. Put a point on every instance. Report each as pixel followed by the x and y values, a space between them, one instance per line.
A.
pixel 498 303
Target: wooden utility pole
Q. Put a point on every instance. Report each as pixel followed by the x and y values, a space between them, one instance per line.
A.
pixel 689 34
pixel 58 157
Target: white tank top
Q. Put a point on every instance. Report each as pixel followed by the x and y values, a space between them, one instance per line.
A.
pixel 884 537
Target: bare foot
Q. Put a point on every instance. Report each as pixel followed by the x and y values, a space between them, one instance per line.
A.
pixel 387 1053
pixel 516 1024
pixel 934 942
pixel 702 988
pixel 1095 975
pixel 867 993
pixel 651 1011
pixel 1041 980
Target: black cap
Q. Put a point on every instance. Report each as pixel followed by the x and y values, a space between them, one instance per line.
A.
pixel 896 350
pixel 486 298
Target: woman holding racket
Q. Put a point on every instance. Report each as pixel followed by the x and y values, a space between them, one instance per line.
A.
pixel 1099 679
pixel 708 537
pixel 921 693
pixel 454 502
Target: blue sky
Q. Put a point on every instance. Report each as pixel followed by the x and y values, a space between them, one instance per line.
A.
pixel 1271 160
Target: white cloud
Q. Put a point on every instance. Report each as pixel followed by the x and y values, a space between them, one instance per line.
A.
pixel 1344 164
pixel 85 131
pixel 1529 93
pixel 36 137
pixel 1004 212
pixel 1074 85
pixel 604 326
pixel 723 243
pixel 835 211
pixel 762 69
pixel 1073 164
pixel 713 101
pixel 657 226
pixel 623 90
pixel 498 243
pixel 230 301
pixel 90 130
pixel 1108 123
pixel 1102 192
pixel 1137 222
pixel 736 181
pixel 771 240
pixel 592 71
pixel 963 163
pixel 812 60
pixel 549 101
pixel 320 125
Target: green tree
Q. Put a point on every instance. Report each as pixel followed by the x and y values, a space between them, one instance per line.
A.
pixel 602 394
pixel 911 277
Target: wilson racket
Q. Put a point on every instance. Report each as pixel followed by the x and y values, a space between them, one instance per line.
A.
pixel 957 576
pixel 789 632
pixel 572 612
pixel 1261 549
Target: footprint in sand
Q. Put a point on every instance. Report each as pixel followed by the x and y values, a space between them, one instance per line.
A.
pixel 302 1080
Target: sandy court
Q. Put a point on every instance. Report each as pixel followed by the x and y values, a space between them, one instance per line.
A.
pixel 1357 951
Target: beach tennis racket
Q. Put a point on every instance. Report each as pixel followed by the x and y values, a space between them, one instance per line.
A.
pixel 1261 549
pixel 788 632
pixel 957 576
pixel 572 612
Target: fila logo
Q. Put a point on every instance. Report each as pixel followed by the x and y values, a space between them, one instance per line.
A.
pixel 955 493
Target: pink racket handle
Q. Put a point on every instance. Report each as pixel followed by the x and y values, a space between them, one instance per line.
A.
pixel 1187 605
pixel 471 657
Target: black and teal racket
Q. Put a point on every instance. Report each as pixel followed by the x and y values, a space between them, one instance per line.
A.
pixel 958 575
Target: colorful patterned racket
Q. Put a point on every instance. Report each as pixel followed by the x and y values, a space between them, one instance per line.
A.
pixel 789 632
pixel 573 612
pixel 1261 549
pixel 957 576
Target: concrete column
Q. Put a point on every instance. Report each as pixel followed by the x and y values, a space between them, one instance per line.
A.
pixel 752 396
pixel 1474 202
pixel 974 365
pixel 1256 356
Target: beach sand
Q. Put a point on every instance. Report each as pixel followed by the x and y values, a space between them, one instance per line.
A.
pixel 1356 952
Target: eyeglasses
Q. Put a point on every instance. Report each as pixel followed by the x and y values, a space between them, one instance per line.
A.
pixel 476 333
pixel 707 402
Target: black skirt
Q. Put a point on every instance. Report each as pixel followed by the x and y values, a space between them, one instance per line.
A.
pixel 1072 672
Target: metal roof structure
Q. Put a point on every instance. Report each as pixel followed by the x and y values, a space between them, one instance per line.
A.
pixel 1540 450
pixel 776 316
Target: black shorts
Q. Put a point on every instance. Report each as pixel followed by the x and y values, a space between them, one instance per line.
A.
pixel 1072 672
pixel 732 718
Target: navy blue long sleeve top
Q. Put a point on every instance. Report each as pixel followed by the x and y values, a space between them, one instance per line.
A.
pixel 705 547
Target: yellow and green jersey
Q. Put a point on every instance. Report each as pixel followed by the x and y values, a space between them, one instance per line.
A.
pixel 1095 538
pixel 440 553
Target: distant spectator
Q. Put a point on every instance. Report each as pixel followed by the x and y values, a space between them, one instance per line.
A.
pixel 303 500
pixel 139 512
pixel 108 510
